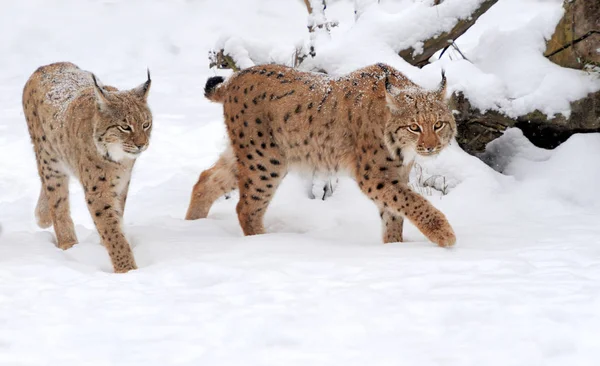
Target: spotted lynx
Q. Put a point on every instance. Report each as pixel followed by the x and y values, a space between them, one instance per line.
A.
pixel 94 133
pixel 370 123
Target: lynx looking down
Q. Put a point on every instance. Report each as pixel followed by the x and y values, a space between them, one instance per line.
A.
pixel 370 123
pixel 95 133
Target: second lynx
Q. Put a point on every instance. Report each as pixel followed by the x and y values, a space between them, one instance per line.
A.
pixel 94 133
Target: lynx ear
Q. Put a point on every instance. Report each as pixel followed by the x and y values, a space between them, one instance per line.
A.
pixel 143 90
pixel 397 99
pixel 441 90
pixel 101 95
pixel 391 92
pixel 390 102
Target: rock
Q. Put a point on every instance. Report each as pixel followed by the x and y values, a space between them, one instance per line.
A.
pixel 576 40
pixel 476 129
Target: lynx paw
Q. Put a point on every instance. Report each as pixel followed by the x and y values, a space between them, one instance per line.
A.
pixel 195 213
pixel 124 268
pixel 439 231
pixel 66 245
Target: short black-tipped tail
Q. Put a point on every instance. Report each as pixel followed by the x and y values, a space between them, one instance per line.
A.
pixel 212 87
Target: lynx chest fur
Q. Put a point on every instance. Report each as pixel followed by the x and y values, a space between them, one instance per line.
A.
pixel 95 133
pixel 365 123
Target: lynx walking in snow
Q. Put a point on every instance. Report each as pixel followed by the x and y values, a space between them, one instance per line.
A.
pixel 370 123
pixel 95 133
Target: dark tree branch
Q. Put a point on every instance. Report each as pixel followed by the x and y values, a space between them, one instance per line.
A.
pixel 432 45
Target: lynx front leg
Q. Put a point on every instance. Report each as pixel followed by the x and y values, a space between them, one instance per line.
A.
pixel 123 196
pixel 103 205
pixel 376 179
pixel 213 183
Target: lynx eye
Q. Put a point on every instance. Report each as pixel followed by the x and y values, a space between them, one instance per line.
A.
pixel 146 125
pixel 438 125
pixel 414 127
pixel 126 129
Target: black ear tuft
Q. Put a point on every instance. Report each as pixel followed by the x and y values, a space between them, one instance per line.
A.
pixel 98 87
pixel 146 85
pixel 101 95
pixel 95 81
pixel 211 84
pixel 442 88
pixel 143 90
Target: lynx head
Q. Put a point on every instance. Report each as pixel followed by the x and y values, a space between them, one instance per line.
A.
pixel 418 120
pixel 123 121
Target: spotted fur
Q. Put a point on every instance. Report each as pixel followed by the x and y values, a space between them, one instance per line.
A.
pixel 369 123
pixel 95 133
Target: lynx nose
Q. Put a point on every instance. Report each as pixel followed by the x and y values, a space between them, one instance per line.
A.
pixel 430 149
pixel 140 147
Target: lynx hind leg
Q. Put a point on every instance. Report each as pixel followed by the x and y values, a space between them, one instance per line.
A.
pixel 258 180
pixel 392 227
pixel 57 197
pixel 261 167
pixel 213 183
pixel 53 207
pixel 42 211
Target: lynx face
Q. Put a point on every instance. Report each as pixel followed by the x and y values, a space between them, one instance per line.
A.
pixel 123 122
pixel 419 122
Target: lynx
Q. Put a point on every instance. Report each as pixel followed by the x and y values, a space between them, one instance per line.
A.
pixel 94 133
pixel 370 123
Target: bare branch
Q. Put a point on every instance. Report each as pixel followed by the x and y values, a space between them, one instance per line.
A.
pixel 221 61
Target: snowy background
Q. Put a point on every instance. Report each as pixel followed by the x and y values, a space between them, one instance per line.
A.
pixel 521 287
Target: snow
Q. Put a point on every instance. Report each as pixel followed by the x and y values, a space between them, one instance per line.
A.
pixel 521 287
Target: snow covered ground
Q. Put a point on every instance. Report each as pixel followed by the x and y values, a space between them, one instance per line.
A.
pixel 521 287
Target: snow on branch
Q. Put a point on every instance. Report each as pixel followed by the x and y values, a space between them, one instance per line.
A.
pixel 236 53
pixel 318 25
pixel 415 33
pixel 434 43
